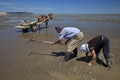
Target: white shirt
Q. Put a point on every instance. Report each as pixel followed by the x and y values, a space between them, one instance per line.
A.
pixel 68 33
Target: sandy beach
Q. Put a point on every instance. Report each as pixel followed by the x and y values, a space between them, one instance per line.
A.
pixel 21 59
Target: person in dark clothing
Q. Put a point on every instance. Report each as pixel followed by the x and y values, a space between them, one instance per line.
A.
pixel 94 46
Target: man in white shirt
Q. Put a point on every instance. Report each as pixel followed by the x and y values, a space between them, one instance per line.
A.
pixel 73 37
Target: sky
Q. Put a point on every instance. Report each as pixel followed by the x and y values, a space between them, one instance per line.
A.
pixel 61 6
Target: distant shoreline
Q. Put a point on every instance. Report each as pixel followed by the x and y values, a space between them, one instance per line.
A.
pixel 11 19
pixel 3 13
pixel 6 13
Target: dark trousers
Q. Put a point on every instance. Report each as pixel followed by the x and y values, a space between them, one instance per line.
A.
pixel 75 52
pixel 69 55
pixel 106 47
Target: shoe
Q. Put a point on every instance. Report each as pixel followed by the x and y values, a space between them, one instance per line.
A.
pixel 73 55
pixel 67 57
pixel 108 63
pixel 54 55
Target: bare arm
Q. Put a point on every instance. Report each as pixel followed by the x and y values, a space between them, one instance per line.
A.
pixel 58 41
pixel 93 58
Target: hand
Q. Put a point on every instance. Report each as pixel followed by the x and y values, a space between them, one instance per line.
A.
pixel 90 64
pixel 56 42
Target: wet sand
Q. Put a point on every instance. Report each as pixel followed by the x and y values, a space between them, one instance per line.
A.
pixel 18 63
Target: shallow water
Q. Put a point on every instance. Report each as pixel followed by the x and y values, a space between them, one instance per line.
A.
pixel 16 63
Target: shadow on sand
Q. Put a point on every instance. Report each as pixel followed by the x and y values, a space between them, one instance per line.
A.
pixel 56 54
pixel 99 61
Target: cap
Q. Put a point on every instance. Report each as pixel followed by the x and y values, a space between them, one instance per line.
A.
pixel 84 48
pixel 58 27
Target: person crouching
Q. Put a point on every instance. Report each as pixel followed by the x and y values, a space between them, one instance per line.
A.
pixel 94 46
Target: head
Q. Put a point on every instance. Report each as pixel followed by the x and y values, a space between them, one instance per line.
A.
pixel 50 16
pixel 58 28
pixel 39 18
pixel 84 48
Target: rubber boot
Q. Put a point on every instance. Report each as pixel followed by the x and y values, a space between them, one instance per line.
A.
pixel 108 63
pixel 67 57
pixel 74 53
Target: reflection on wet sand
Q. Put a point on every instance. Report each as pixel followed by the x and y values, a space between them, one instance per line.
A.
pixel 41 35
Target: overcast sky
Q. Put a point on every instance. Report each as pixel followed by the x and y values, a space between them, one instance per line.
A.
pixel 61 6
